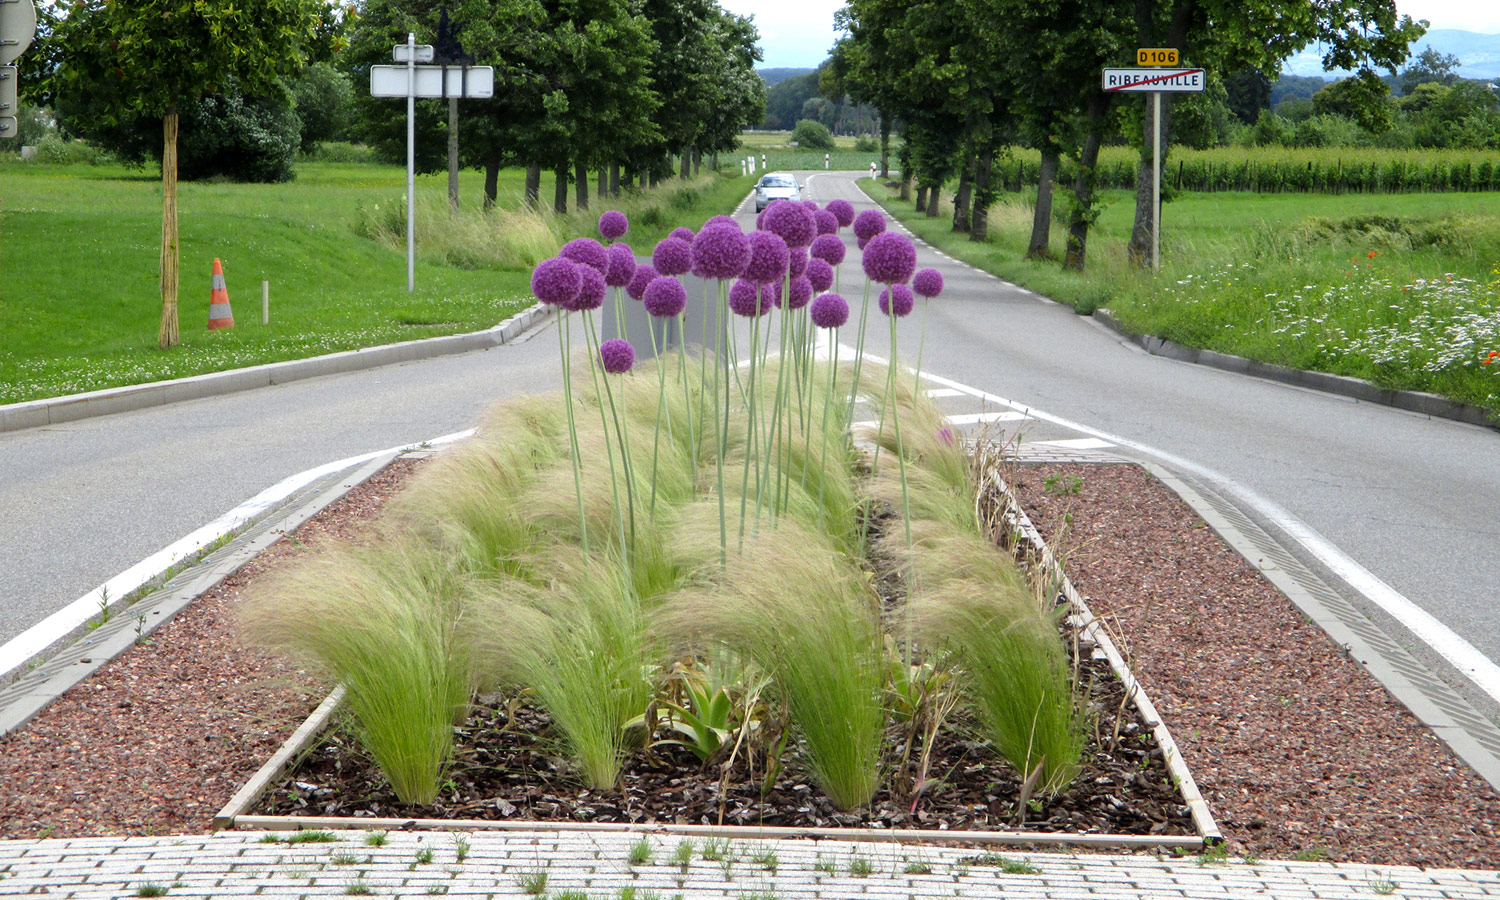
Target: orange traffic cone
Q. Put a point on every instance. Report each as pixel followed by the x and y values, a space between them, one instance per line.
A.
pixel 219 313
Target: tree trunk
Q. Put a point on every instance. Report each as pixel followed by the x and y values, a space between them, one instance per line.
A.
pixel 697 162
pixel 687 159
pixel 905 186
pixel 1041 218
pixel 614 179
pixel 921 197
pixel 560 190
pixel 581 176
pixel 962 196
pixel 932 200
pixel 1083 186
pixel 453 153
pixel 1139 248
pixel 627 178
pixel 533 186
pixel 885 150
pixel 492 178
pixel 979 216
pixel 168 335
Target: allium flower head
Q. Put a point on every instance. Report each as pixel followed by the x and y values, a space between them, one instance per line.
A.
pixel 665 297
pixel 799 292
pixel 945 436
pixel 673 256
pixel 747 299
pixel 617 356
pixel 613 224
pixel 768 257
pixel 863 242
pixel 591 295
pixel 796 261
pixel 927 283
pixel 793 221
pixel 842 210
pixel 826 222
pixel 685 234
pixel 588 252
pixel 819 274
pixel 828 247
pixel 723 220
pixel 890 258
pixel 829 311
pixel 810 205
pixel 868 224
pixel 621 265
pixel 556 282
pixel 644 275
pixel 897 300
pixel 720 252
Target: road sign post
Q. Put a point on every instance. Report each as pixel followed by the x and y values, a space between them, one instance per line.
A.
pixel 412 81
pixel 17 30
pixel 1168 79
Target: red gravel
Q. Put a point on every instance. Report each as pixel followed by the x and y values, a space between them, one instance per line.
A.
pixel 159 739
pixel 1296 748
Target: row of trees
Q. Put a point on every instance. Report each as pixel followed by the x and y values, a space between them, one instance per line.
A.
pixel 966 78
pixel 580 85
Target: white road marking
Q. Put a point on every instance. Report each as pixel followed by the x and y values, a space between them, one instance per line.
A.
pixel 985 417
pixel 20 649
pixel 1075 444
pixel 945 392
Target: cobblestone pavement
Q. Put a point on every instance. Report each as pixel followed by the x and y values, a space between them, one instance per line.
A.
pixel 640 866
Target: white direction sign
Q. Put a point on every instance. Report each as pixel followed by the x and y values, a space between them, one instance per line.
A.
pixel 17 28
pixel 390 81
pixel 400 52
pixel 1153 80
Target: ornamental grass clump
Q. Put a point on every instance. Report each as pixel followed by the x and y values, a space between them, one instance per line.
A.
pixel 391 623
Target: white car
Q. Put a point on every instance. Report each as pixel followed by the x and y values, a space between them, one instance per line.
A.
pixel 776 186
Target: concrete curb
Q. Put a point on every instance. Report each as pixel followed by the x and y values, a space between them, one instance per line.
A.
pixel 54 410
pixel 1342 385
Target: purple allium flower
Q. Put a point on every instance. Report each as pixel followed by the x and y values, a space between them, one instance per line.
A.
pixel 621 265
pixel 863 242
pixel 673 256
pixel 587 252
pixel 819 274
pixel 644 275
pixel 828 247
pixel 799 292
pixel 665 297
pixel 722 220
pixel 796 261
pixel 826 221
pixel 810 205
pixel 890 258
pixel 720 252
pixel 556 282
pixel 897 299
pixel 842 210
pixel 746 296
pixel 868 224
pixel 793 221
pixel 829 311
pixel 768 257
pixel 945 436
pixel 685 234
pixel 591 295
pixel 613 224
pixel 927 283
pixel 617 356
pixel 760 221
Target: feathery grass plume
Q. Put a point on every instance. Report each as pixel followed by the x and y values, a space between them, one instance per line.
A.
pixel 580 644
pixel 799 609
pixel 927 439
pixel 471 238
pixel 391 624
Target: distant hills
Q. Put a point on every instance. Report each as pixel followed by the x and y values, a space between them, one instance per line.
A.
pixel 772 76
pixel 1478 53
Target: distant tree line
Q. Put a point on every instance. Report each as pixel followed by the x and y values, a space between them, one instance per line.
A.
pixel 965 79
pixel 801 97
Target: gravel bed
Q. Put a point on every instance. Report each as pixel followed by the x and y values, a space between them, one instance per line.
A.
pixel 1297 749
pixel 159 739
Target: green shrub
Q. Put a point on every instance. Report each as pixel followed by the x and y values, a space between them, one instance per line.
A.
pixel 324 99
pixel 812 135
pixel 57 150
pixel 866 144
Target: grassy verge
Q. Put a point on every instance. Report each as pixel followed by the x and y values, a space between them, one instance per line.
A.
pixel 79 301
pixel 1399 289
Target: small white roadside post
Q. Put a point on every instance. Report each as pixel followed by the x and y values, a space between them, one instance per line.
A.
pixel 265 303
pixel 1156 81
pixel 825 160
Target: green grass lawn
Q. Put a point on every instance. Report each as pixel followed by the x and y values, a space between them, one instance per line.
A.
pixel 79 245
pixel 1284 278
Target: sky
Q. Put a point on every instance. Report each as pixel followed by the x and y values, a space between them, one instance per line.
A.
pixel 798 33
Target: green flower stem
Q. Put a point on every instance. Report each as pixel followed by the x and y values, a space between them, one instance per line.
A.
pixel 721 425
pixel 921 345
pixel 828 395
pixel 751 444
pixel 661 413
pixel 905 497
pixel 614 481
pixel 565 345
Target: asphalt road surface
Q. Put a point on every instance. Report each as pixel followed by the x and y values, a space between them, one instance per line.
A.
pixel 1413 500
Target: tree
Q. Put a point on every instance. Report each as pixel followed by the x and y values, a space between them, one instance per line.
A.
pixel 1363 98
pixel 153 56
pixel 1248 93
pixel 1429 67
pixel 812 135
pixel 324 98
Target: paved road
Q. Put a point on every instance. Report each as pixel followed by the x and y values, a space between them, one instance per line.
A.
pixel 1411 499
